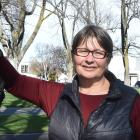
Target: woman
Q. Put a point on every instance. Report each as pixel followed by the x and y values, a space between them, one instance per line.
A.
pixel 95 106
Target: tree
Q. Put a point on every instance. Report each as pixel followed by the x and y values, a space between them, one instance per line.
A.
pixel 130 9
pixel 13 15
pixel 36 67
pixel 47 58
pixel 58 57
pixel 91 12
pixel 0 7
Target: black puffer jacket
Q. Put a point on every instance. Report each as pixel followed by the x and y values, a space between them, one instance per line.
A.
pixel 110 121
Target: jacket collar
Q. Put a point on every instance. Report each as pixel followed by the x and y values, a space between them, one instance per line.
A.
pixel 71 90
pixel 115 86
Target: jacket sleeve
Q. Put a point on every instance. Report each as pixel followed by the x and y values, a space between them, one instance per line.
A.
pixel 17 84
pixel 43 93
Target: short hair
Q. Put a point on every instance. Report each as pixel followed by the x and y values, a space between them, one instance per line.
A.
pixel 99 33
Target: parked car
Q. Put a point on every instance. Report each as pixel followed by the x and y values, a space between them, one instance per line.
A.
pixel 137 84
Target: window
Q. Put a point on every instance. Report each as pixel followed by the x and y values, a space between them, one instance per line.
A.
pixel 24 68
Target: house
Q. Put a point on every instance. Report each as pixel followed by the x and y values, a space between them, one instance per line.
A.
pixel 24 68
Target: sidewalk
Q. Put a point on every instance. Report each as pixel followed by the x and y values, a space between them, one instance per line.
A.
pixel 31 110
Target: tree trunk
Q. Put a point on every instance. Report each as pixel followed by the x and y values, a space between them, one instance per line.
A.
pixel 126 70
pixel 124 36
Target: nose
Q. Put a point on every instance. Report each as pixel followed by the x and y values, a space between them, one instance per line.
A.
pixel 90 58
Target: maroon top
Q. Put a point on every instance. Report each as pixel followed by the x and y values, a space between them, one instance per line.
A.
pixel 46 94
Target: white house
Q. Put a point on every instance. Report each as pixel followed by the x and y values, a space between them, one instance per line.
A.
pixel 24 68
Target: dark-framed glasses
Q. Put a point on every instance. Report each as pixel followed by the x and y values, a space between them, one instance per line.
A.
pixel 85 52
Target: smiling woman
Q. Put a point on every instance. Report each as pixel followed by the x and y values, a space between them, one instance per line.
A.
pixel 87 107
pixel 92 49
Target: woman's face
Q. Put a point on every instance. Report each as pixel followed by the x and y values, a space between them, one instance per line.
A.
pixel 90 67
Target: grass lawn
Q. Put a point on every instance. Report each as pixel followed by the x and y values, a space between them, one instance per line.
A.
pixel 12 101
pixel 24 123
pixel 21 123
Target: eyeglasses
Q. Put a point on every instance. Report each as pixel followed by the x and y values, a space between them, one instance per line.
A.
pixel 85 52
